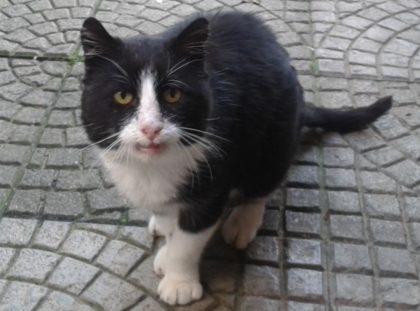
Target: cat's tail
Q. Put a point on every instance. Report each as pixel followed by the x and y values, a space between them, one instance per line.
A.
pixel 344 121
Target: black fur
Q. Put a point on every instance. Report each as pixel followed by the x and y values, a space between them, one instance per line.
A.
pixel 239 86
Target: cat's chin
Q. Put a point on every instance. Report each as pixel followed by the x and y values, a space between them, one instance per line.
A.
pixel 150 150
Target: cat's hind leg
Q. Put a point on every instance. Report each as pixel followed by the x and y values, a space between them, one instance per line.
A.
pixel 243 223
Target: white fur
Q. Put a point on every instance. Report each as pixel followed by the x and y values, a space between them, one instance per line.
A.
pixel 178 260
pixel 243 223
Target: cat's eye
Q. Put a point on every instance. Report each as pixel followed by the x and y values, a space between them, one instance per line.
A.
pixel 172 95
pixel 123 98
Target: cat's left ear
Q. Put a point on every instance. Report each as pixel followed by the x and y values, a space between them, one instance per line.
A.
pixel 95 39
pixel 192 40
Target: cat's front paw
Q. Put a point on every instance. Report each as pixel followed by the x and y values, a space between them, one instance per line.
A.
pixel 153 230
pixel 173 291
pixel 159 261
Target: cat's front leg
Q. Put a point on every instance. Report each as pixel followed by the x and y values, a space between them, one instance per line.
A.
pixel 182 253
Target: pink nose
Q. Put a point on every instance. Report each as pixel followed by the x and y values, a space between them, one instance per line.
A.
pixel 151 132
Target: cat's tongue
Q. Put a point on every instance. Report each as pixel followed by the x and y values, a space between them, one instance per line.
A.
pixel 152 149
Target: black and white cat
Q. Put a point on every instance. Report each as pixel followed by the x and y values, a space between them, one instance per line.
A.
pixel 210 107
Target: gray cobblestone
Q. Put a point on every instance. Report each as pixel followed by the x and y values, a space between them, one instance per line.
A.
pixel 261 280
pixel 33 264
pixel 380 205
pixel 348 227
pixel 343 201
pixel 354 288
pixel 394 290
pixel 6 255
pixel 26 201
pixel 83 244
pixel 304 252
pixel 72 275
pixel 304 283
pixel 64 203
pixel 16 231
pixel 254 303
pixel 119 257
pixel 51 234
pixel 61 302
pixel 22 296
pixel 103 291
pixel 351 258
pixel 264 249
pixel 388 231
pixel 392 260
pixel 305 223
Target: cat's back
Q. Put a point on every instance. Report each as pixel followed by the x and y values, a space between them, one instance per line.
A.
pixel 239 36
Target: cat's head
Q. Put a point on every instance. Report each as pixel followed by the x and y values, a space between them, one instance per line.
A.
pixel 144 97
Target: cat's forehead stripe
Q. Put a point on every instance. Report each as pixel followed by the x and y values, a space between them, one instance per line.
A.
pixel 149 106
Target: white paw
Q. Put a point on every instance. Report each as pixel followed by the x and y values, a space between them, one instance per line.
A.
pixel 237 235
pixel 159 261
pixel 153 227
pixel 173 291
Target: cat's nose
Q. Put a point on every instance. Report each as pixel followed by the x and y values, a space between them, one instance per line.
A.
pixel 151 132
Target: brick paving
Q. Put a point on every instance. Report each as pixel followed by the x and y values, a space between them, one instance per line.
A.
pixel 342 234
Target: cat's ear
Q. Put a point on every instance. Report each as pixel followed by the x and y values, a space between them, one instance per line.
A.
pixel 193 38
pixel 95 38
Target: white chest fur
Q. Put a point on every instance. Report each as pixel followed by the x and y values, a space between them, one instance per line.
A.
pixel 152 184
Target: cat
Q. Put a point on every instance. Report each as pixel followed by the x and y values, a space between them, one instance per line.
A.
pixel 184 119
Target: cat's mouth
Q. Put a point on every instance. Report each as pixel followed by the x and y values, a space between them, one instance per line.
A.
pixel 150 149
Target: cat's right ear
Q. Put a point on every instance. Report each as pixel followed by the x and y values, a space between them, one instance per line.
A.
pixel 95 39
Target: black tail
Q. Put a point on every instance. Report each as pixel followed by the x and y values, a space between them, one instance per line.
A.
pixel 344 121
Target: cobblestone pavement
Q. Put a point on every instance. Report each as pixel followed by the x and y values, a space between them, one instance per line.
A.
pixel 343 233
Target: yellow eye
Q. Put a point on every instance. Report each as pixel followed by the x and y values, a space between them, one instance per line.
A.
pixel 123 98
pixel 172 95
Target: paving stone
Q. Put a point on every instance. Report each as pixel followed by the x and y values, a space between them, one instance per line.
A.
pixel 64 203
pixel 7 175
pixel 137 235
pixel 407 172
pixel 102 291
pixel 83 244
pixel 16 231
pixel 343 201
pixel 62 302
pixel 52 137
pixel 261 280
pixel 377 181
pixel 299 306
pixel 392 261
pixel 305 175
pixel 351 258
pixel 74 180
pixel 306 223
pixel 387 231
pixel 221 276
pixel 264 249
pixel 303 252
pixel 33 264
pixel 13 154
pixel 72 275
pixel 105 199
pixel 297 197
pixel 51 234
pixel 38 178
pixel 411 207
pixel 143 275
pixel 271 221
pixel 64 158
pixel 255 303
pixel 148 304
pixel 304 283
pixel 395 290
pixel 415 232
pixel 119 257
pixel 340 157
pixel 340 178
pixel 381 205
pixel 348 227
pixel 354 288
pixel 384 156
pixel 22 296
pixel 26 201
pixel 6 255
